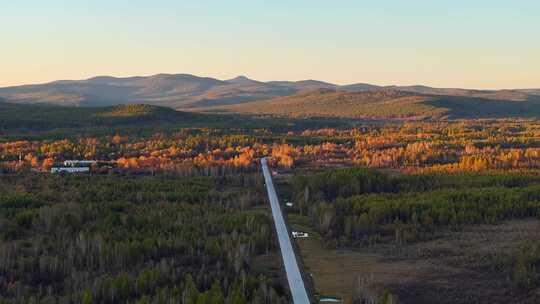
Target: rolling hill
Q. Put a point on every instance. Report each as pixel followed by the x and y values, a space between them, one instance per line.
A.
pixel 47 117
pixel 51 121
pixel 29 121
pixel 512 95
pixel 389 104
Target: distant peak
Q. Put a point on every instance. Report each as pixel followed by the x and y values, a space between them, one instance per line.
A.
pixel 164 75
pixel 315 82
pixel 101 79
pixel 241 79
pixel 182 77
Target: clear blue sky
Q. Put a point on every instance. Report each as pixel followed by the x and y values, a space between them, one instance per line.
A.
pixel 445 43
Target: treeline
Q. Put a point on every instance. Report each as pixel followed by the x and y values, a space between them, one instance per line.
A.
pixel 112 239
pixel 406 215
pixel 357 206
pixel 328 185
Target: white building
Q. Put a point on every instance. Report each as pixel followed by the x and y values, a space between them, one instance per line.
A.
pixel 70 169
pixel 79 163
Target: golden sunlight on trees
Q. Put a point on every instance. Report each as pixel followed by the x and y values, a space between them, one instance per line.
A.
pixel 419 146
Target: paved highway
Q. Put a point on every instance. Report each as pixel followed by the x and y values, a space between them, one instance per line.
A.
pixel 296 283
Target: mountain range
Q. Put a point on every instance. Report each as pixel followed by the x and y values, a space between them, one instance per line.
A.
pixel 171 90
pixel 293 98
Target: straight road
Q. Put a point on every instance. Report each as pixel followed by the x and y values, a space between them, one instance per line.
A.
pixel 296 283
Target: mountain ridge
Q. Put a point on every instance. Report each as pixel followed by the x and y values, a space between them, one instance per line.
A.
pixel 196 93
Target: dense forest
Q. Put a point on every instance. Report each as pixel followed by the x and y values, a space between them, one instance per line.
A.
pixel 140 239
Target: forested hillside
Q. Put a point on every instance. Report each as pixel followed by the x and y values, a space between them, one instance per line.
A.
pixel 391 104
pixel 37 121
pixel 48 117
pixel 48 121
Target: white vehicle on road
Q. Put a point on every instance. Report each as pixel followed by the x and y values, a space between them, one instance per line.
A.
pixel 299 234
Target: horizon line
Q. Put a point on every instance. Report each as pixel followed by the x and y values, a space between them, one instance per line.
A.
pixel 339 84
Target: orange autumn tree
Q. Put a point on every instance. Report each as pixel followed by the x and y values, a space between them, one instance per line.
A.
pixel 47 164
